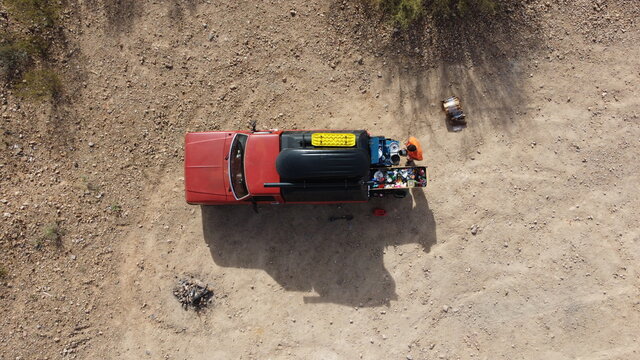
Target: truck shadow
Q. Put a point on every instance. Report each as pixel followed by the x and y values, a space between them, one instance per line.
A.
pixel 297 245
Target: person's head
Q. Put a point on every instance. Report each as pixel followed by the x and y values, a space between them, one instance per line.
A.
pixel 412 147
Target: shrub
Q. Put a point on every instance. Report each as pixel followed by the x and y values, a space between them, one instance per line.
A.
pixel 401 12
pixel 405 12
pixel 41 13
pixel 40 84
pixel 20 55
pixel 16 55
pixel 13 59
pixel 116 209
pixel 52 233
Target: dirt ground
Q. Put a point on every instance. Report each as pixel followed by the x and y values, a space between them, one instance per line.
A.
pixel 547 172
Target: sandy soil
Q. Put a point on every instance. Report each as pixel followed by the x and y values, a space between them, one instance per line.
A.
pixel 547 170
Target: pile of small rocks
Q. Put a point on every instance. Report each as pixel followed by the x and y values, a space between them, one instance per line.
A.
pixel 193 293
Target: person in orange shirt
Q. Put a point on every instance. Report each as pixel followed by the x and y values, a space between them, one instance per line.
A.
pixel 414 150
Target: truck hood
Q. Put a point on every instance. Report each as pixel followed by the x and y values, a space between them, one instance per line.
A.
pixel 204 163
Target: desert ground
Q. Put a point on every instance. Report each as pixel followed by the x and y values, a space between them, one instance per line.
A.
pixel 546 173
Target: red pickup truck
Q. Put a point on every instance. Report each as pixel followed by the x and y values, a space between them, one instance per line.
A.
pixel 301 166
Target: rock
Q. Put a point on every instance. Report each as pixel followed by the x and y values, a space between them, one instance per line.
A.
pixel 233 87
pixel 445 308
pixel 474 229
pixel 293 12
pixel 91 144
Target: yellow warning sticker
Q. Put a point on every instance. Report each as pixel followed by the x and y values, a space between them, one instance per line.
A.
pixel 333 139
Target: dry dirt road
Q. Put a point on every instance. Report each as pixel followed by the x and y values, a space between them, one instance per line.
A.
pixel 547 170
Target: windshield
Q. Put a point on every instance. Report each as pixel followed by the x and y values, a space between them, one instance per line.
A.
pixel 236 166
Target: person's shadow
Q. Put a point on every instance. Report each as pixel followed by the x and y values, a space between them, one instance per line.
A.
pixel 297 245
